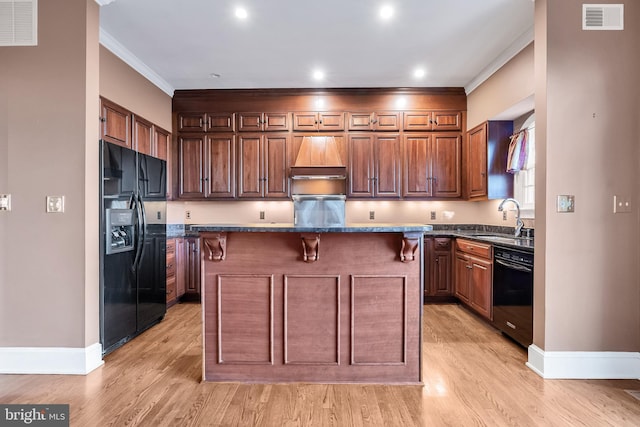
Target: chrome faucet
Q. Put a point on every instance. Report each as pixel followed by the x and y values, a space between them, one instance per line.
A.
pixel 519 223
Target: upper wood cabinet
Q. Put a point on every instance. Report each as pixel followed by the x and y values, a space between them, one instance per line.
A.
pixel 263 122
pixel 161 140
pixel 262 166
pixel 115 123
pixel 431 165
pixel 143 137
pixel 486 150
pixel 432 121
pixel 374 166
pixel 378 121
pixel 206 122
pixel 324 121
pixel 207 166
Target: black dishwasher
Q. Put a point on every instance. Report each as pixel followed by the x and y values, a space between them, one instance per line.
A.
pixel 513 293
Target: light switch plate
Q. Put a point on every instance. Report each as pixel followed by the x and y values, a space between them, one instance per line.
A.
pixel 55 204
pixel 566 203
pixel 5 202
pixel 621 204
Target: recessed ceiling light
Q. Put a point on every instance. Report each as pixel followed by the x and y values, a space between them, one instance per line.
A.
pixel 214 75
pixel 386 12
pixel 241 13
pixel 318 75
pixel 419 73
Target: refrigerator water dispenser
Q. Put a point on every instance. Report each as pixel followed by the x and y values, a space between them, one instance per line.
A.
pixel 120 230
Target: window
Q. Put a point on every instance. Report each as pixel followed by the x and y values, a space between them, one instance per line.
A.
pixel 525 180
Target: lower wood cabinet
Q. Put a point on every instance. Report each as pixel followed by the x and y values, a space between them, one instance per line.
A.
pixel 192 268
pixel 171 272
pixel 438 267
pixel 176 270
pixel 473 275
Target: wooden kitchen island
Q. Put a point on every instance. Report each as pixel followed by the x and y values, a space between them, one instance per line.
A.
pixel 330 305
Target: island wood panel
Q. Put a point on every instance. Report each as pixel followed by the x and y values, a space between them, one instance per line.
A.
pixel 245 319
pixel 377 301
pixel 311 319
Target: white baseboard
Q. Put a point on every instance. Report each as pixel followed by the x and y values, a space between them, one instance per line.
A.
pixel 584 364
pixel 50 360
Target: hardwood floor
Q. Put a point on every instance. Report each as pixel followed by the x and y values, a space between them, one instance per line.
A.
pixel 472 377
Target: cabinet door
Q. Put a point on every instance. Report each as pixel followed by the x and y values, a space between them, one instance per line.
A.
pixel 192 262
pixel 361 167
pixel 275 122
pixel 480 292
pixel 387 172
pixel 160 143
pixel 192 122
pixel 305 121
pixel 250 173
pixel 387 121
pixel 359 121
pixel 249 122
pixel 417 166
pixel 477 161
pixel 115 123
pixel 180 268
pixel 441 267
pixel 276 182
pixel 461 277
pixel 220 166
pixel 445 165
pixel 220 122
pixel 417 120
pixel 328 121
pixel 447 120
pixel 191 165
pixel 142 136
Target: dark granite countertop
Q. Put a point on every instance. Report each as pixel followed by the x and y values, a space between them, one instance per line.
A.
pixel 497 236
pixel 289 227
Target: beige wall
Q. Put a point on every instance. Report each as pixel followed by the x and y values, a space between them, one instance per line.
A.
pixel 508 86
pixel 128 88
pixel 48 146
pixel 590 142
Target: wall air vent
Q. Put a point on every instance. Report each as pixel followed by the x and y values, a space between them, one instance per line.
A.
pixel 18 22
pixel 602 16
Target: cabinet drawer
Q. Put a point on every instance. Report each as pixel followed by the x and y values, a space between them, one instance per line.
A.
pixel 442 243
pixel 171 266
pixel 478 249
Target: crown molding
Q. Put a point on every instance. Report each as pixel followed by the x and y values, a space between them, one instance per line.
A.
pixel 514 48
pixel 134 62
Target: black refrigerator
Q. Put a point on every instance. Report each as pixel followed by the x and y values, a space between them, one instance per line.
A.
pixel 132 244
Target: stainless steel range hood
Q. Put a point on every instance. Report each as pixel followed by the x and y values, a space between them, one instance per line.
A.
pixel 318 158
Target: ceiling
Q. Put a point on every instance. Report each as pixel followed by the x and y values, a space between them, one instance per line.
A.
pixel 186 44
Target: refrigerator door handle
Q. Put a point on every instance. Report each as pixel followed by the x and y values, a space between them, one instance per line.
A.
pixel 143 227
pixel 139 233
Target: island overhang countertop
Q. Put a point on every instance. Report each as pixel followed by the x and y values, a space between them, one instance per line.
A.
pixel 289 227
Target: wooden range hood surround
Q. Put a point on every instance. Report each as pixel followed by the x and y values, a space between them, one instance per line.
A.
pixel 318 158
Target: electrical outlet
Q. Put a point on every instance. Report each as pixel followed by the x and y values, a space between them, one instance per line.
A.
pixel 261 214
pixel 372 214
pixel 621 204
pixel 433 214
pixel 504 215
pixel 55 204
pixel 5 202
pixel 566 203
pixel 159 215
pixel 188 214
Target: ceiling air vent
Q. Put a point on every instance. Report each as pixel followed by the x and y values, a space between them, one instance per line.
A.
pixel 602 16
pixel 18 22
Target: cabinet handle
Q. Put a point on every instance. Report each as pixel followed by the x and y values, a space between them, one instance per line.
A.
pixel 103 119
